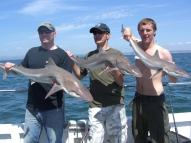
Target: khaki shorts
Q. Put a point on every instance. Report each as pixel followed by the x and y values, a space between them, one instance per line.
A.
pixel 150 114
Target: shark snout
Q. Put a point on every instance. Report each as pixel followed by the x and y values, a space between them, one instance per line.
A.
pixel 137 73
pixel 86 95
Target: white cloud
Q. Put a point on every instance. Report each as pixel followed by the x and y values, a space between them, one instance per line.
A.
pixel 38 7
pixel 107 15
pixel 34 36
pixel 180 43
pixel 65 27
pixel 83 36
pixel 18 48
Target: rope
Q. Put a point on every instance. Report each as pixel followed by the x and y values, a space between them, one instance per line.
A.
pixel 168 92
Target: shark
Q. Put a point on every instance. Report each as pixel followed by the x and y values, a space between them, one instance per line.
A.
pixel 52 74
pixel 155 62
pixel 111 62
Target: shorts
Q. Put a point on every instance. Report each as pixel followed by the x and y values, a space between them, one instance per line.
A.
pixel 111 119
pixel 150 114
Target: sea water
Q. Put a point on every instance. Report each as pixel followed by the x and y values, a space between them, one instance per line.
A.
pixel 13 104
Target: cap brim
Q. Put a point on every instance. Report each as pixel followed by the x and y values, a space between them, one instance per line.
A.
pixel 44 26
pixel 93 29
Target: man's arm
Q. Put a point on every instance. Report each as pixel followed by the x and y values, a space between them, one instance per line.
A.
pixel 168 57
pixel 75 68
pixel 118 77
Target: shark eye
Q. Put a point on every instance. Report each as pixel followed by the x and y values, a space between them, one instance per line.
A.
pixel 176 72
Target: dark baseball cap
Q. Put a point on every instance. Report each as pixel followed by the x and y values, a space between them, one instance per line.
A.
pixel 101 26
pixel 47 25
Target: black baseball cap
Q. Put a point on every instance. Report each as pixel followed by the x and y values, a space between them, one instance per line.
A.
pixel 101 26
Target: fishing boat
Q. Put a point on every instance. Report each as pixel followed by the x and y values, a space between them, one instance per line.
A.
pixel 76 131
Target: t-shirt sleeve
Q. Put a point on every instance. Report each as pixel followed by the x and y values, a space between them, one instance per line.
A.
pixel 66 63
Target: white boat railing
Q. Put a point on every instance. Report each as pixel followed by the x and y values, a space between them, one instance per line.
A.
pixel 125 86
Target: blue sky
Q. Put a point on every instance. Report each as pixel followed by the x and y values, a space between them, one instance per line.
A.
pixel 19 20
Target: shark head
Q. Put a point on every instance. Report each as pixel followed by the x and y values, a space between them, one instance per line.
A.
pixel 126 67
pixel 77 89
pixel 176 72
pixel 64 80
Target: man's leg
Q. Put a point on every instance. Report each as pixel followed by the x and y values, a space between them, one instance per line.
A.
pixel 96 123
pixel 139 125
pixel 53 123
pixel 159 123
pixel 116 123
pixel 32 127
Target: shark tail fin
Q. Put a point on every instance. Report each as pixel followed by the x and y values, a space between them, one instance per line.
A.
pixel 5 72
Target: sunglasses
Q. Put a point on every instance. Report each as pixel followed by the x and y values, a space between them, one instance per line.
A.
pixel 47 31
pixel 98 32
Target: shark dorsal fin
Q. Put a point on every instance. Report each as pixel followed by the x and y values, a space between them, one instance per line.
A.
pixel 50 62
pixel 101 51
pixel 156 54
pixel 19 65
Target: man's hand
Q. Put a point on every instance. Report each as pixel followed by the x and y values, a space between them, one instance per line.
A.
pixel 127 34
pixel 9 65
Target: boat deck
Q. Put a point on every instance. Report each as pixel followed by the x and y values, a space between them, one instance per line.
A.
pixel 75 130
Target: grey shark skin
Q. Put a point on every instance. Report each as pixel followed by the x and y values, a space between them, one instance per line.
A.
pixel 155 63
pixel 114 62
pixel 52 74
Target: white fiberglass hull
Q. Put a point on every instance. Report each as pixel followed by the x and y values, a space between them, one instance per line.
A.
pixel 13 133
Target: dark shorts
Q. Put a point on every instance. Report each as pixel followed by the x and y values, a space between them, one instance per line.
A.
pixel 150 114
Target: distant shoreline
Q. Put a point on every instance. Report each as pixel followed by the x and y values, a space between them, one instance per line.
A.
pixel 82 55
pixel 172 52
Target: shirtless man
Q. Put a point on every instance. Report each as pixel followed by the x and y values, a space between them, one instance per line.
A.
pixel 149 107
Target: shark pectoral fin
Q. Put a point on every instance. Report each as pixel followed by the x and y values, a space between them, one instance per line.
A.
pixel 107 69
pixel 54 89
pixel 157 72
pixel 5 73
